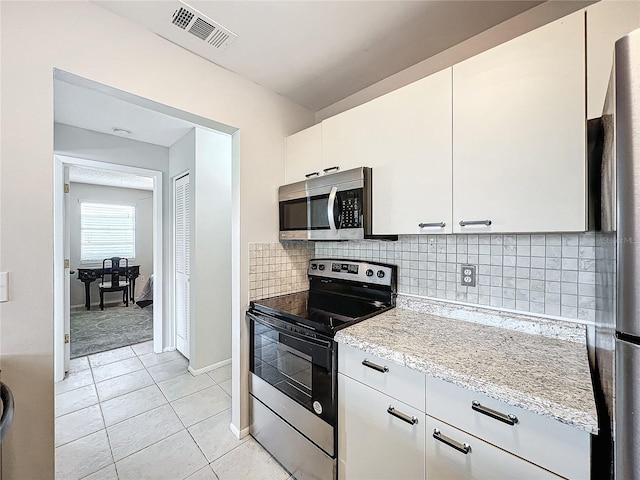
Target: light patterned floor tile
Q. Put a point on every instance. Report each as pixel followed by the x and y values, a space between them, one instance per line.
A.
pixel 205 473
pixel 201 405
pixel 132 404
pixel 152 359
pixel 249 460
pixel 75 400
pixel 214 437
pixel 221 374
pixel 169 369
pixel 80 423
pixel 226 386
pixel 107 473
pixel 115 369
pixel 74 380
pixel 175 457
pixel 78 364
pixel 141 423
pixel 83 457
pixel 130 382
pixel 183 385
pixel 110 356
pixel 143 348
pixel 139 432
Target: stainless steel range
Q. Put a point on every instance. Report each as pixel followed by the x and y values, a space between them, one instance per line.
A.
pixel 293 360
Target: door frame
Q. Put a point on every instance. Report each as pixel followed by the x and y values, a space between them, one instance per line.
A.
pixel 60 161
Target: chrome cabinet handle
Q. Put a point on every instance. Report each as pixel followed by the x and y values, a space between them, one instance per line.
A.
pixel 330 206
pixel 317 174
pixel 464 223
pixel 375 366
pixel 509 419
pixel 402 416
pixel 434 224
pixel 461 447
pixel 327 170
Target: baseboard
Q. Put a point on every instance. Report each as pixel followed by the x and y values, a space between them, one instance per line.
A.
pixel 209 367
pixel 239 434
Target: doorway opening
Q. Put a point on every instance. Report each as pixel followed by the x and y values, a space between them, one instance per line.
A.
pixel 160 144
pixel 82 240
pixel 111 259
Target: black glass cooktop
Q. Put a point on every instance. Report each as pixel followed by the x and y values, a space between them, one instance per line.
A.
pixel 320 311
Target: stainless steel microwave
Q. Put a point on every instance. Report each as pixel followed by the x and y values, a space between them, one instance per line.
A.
pixel 331 207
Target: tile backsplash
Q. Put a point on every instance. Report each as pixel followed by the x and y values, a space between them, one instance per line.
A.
pixel 551 274
pixel 278 268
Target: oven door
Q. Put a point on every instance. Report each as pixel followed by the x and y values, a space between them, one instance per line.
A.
pixel 299 366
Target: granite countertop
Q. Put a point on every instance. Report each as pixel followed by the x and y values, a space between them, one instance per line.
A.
pixel 545 374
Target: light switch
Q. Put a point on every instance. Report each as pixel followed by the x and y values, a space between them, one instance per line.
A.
pixel 4 286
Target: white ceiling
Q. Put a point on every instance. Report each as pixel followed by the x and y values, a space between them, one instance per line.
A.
pixel 319 52
pixel 93 110
pixel 95 176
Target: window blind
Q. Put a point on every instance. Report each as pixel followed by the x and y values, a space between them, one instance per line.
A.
pixel 106 231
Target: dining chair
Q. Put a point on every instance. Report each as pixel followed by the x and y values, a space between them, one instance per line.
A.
pixel 114 279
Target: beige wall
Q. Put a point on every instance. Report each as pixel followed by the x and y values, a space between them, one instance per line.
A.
pixel 86 40
pixel 142 199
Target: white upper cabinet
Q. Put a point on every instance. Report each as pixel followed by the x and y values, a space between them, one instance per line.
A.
pixel 519 133
pixel 607 21
pixel 405 136
pixel 304 154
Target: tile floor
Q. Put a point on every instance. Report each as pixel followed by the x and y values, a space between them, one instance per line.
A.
pixel 132 414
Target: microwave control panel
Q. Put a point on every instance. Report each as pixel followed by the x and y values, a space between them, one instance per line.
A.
pixel 350 209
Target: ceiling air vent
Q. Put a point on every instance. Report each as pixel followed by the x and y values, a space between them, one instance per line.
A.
pixel 182 17
pixel 203 27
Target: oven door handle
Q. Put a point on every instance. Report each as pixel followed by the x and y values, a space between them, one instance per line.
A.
pixel 331 209
pixel 299 336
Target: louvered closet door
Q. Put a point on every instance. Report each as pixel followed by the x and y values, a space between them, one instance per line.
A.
pixel 182 215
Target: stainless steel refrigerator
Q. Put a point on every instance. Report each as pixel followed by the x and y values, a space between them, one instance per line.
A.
pixel 615 342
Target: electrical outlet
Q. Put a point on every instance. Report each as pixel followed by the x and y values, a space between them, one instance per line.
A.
pixel 468 276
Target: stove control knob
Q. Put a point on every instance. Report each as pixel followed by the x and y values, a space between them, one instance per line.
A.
pixel 369 273
pixel 321 267
pixel 380 274
pixel 314 266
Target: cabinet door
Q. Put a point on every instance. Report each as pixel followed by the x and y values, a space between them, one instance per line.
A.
pixel 519 133
pixel 606 22
pixel 447 460
pixel 372 443
pixel 405 136
pixel 304 154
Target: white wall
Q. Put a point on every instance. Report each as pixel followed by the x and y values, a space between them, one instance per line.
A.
pixel 507 30
pixel 86 40
pixel 211 268
pixel 607 21
pixel 142 199
pixel 207 156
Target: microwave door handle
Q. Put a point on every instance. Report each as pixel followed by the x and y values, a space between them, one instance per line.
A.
pixel 330 209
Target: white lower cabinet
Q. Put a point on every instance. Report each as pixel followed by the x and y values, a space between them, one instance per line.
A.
pixel 378 436
pixel 385 432
pixel 454 454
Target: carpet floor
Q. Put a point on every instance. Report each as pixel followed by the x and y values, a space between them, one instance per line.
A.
pixel 94 331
